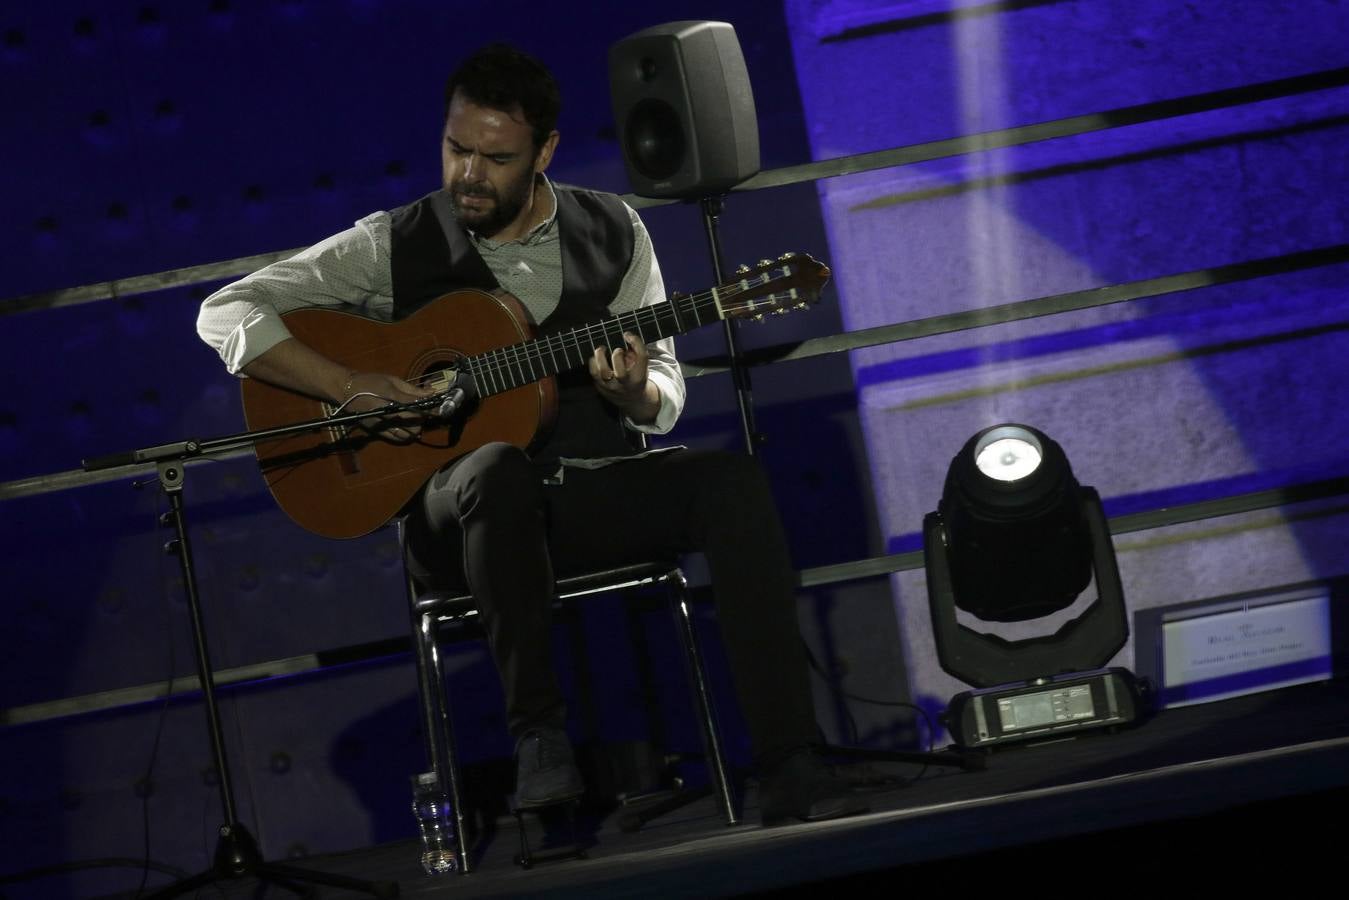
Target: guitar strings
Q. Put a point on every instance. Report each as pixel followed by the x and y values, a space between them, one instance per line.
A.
pixel 504 368
pixel 509 367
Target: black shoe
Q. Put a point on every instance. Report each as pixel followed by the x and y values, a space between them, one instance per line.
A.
pixel 545 772
pixel 803 787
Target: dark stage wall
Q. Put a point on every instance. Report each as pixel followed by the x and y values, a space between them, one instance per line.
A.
pixel 144 137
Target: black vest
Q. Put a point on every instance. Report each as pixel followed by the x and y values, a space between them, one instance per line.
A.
pixel 431 256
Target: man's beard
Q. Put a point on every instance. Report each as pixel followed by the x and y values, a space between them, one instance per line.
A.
pixel 506 205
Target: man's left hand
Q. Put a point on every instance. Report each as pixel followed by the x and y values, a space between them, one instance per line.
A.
pixel 620 377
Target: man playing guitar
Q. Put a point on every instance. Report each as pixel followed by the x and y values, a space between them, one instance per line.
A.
pixel 583 494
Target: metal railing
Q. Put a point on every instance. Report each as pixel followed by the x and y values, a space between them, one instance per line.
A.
pixel 943 324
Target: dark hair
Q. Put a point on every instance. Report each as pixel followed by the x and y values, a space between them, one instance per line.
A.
pixel 500 76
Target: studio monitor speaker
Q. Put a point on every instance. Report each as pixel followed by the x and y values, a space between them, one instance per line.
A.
pixel 684 109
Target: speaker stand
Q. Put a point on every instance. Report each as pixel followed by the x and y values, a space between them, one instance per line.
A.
pixel 744 394
pixel 712 207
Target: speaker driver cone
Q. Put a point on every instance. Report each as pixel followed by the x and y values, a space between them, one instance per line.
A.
pixel 655 139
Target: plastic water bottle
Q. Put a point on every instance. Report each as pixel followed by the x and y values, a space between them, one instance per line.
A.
pixel 432 809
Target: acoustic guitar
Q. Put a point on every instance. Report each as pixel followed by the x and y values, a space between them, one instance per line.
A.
pixel 345 481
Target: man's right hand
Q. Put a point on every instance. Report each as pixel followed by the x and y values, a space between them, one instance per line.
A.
pixel 297 367
pixel 372 390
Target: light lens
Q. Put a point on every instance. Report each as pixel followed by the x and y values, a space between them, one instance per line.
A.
pixel 1010 456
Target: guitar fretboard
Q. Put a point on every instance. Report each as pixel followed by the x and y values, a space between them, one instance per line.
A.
pixel 524 363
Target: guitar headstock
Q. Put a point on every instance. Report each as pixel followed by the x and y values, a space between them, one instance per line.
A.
pixel 773 287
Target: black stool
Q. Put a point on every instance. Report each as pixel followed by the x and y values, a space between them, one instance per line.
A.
pixel 432 609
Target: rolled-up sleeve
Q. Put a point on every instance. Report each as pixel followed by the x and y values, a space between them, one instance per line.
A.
pixel 241 321
pixel 644 286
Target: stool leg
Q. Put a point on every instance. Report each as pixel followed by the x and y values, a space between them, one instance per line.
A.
pixel 525 858
pixel 711 736
pixel 437 730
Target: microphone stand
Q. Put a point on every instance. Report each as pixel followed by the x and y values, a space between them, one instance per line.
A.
pixel 236 854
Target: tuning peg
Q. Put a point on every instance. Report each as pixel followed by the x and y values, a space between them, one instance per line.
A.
pixel 759 317
pixel 765 263
pixel 786 256
pixel 742 270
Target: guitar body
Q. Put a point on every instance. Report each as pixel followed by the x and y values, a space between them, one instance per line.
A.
pixel 345 482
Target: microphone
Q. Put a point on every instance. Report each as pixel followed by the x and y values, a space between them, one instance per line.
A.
pixel 454 398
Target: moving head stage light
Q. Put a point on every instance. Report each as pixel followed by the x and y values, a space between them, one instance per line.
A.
pixel 1015 538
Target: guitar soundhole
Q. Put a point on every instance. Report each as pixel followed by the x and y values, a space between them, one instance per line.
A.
pixel 435 369
pixel 437 376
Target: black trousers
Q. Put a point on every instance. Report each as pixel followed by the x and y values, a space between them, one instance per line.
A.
pixel 489 520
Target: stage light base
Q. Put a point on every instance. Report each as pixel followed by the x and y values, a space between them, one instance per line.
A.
pixel 1047 708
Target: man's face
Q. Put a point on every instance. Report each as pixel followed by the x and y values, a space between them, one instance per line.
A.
pixel 489 162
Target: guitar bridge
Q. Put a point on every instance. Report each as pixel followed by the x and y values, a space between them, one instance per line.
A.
pixel 339 436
